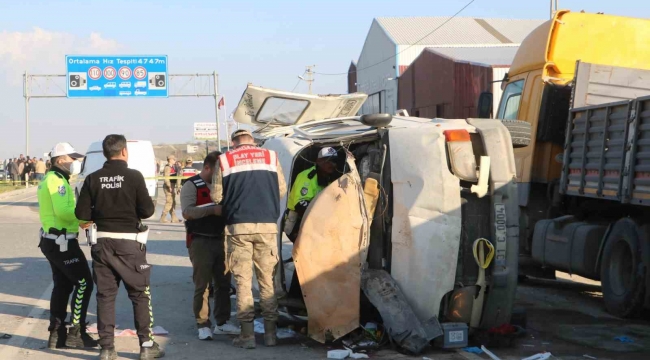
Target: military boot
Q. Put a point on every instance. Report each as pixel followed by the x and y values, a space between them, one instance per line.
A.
pixel 163 219
pixel 79 338
pixel 151 352
pixel 107 354
pixel 246 339
pixel 57 337
pixel 270 337
pixel 175 219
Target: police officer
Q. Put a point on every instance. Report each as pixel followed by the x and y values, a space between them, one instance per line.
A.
pixel 116 199
pixel 307 185
pixel 249 179
pixel 60 246
pixel 170 189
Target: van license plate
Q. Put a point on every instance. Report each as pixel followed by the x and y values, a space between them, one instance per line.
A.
pixel 500 233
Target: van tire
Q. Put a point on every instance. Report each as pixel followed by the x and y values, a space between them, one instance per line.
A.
pixel 520 132
pixel 622 272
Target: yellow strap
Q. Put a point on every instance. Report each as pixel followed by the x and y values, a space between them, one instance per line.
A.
pixel 490 255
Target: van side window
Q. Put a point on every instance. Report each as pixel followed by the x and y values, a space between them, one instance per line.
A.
pixel 510 100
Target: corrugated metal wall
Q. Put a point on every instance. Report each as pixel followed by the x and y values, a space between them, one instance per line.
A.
pixel 437 86
pixel 497 74
pixel 374 79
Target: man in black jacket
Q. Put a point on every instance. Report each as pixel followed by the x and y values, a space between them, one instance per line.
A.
pixel 116 199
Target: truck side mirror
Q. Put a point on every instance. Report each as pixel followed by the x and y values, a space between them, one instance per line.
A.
pixel 485 105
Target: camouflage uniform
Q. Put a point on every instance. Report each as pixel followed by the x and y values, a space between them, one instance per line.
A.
pixel 252 245
pixel 169 187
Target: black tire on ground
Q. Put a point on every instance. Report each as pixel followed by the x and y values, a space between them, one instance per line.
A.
pixel 520 132
pixel 621 271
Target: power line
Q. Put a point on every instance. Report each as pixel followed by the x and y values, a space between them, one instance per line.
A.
pixel 410 46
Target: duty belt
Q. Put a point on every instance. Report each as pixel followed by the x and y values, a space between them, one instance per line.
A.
pixel 61 240
pixel 54 237
pixel 139 237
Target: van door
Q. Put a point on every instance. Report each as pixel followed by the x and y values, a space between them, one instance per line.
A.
pixel 329 253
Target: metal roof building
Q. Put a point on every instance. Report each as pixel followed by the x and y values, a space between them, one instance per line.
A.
pixel 393 43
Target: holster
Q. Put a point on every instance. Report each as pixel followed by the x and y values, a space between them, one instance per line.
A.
pixel 61 239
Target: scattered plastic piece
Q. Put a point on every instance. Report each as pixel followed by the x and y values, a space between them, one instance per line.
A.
pixel 282 333
pixel 473 350
pixel 540 356
pixel 159 330
pixel 354 355
pixel 338 354
pixel 489 353
pixel 624 339
pixel 589 357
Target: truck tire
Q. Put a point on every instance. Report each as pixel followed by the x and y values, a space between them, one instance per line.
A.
pixel 520 132
pixel 622 272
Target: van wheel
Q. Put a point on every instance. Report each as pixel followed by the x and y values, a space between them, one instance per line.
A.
pixel 520 132
pixel 622 273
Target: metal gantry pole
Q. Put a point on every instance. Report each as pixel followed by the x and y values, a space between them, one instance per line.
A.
pixel 216 107
pixel 26 95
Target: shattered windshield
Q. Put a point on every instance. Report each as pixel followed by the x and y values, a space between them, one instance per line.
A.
pixel 281 110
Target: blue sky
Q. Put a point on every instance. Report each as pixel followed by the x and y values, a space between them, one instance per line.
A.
pixel 264 42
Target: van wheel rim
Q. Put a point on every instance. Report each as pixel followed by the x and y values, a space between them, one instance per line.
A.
pixel 621 268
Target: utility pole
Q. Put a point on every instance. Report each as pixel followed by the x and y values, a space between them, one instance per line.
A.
pixel 554 5
pixel 309 73
pixel 26 95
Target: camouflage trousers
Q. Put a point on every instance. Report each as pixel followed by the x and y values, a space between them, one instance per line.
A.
pixel 258 252
pixel 170 202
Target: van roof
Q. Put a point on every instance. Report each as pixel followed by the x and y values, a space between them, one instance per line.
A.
pixel 97 145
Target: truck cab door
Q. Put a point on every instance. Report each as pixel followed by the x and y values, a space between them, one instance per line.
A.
pixel 329 253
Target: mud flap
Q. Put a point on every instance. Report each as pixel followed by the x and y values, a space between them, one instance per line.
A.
pixel 400 320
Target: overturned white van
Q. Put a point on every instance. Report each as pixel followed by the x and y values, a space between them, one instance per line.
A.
pixel 442 184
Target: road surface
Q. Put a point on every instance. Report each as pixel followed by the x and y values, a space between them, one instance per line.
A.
pixel 554 308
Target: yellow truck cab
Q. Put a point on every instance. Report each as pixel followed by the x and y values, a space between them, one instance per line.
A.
pixel 568 69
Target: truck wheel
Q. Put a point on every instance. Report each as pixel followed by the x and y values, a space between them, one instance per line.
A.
pixel 520 132
pixel 621 272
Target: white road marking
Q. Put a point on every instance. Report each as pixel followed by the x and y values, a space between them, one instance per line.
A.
pixel 19 201
pixel 21 334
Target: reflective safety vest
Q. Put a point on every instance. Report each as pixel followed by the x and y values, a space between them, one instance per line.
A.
pixel 304 188
pixel 210 225
pixel 188 171
pixel 56 203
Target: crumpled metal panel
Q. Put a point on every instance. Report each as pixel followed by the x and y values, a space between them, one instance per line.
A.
pixel 331 247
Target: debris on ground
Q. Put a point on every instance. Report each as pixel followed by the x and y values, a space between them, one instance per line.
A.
pixel 624 339
pixel 156 330
pixel 281 333
pixel 344 354
pixel 473 350
pixel 540 356
pixel 489 353
pixel 404 327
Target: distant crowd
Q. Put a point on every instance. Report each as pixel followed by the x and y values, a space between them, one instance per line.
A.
pixel 22 169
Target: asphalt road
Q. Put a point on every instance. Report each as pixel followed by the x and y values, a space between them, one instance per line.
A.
pixel 565 317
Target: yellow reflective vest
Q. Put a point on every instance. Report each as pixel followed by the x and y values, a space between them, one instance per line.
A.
pixel 56 203
pixel 304 188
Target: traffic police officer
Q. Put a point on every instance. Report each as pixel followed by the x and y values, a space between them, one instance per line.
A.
pixel 249 179
pixel 307 185
pixel 116 199
pixel 60 246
